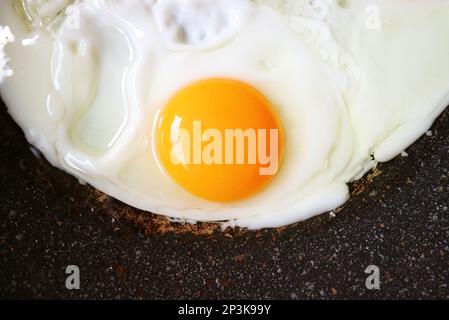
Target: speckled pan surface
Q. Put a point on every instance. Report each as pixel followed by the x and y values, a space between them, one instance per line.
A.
pixel 398 221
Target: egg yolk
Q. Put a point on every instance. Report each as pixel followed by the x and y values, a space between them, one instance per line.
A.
pixel 220 140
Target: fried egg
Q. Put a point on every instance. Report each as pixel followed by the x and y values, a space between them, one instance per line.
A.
pixel 252 113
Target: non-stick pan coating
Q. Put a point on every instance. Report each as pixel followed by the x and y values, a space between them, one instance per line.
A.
pixel 398 221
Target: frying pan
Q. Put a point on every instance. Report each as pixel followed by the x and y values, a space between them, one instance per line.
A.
pixel 397 220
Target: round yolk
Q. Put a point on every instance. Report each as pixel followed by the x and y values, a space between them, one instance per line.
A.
pixel 220 140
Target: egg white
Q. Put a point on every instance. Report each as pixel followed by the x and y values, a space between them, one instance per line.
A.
pixel 347 94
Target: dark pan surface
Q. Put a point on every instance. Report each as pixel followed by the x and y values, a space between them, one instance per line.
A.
pixel 399 221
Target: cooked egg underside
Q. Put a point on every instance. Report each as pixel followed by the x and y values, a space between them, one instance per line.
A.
pixel 352 83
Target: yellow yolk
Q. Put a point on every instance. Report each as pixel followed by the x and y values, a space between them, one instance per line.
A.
pixel 220 140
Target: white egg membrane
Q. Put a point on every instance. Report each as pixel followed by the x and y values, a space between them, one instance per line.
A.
pixel 89 81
